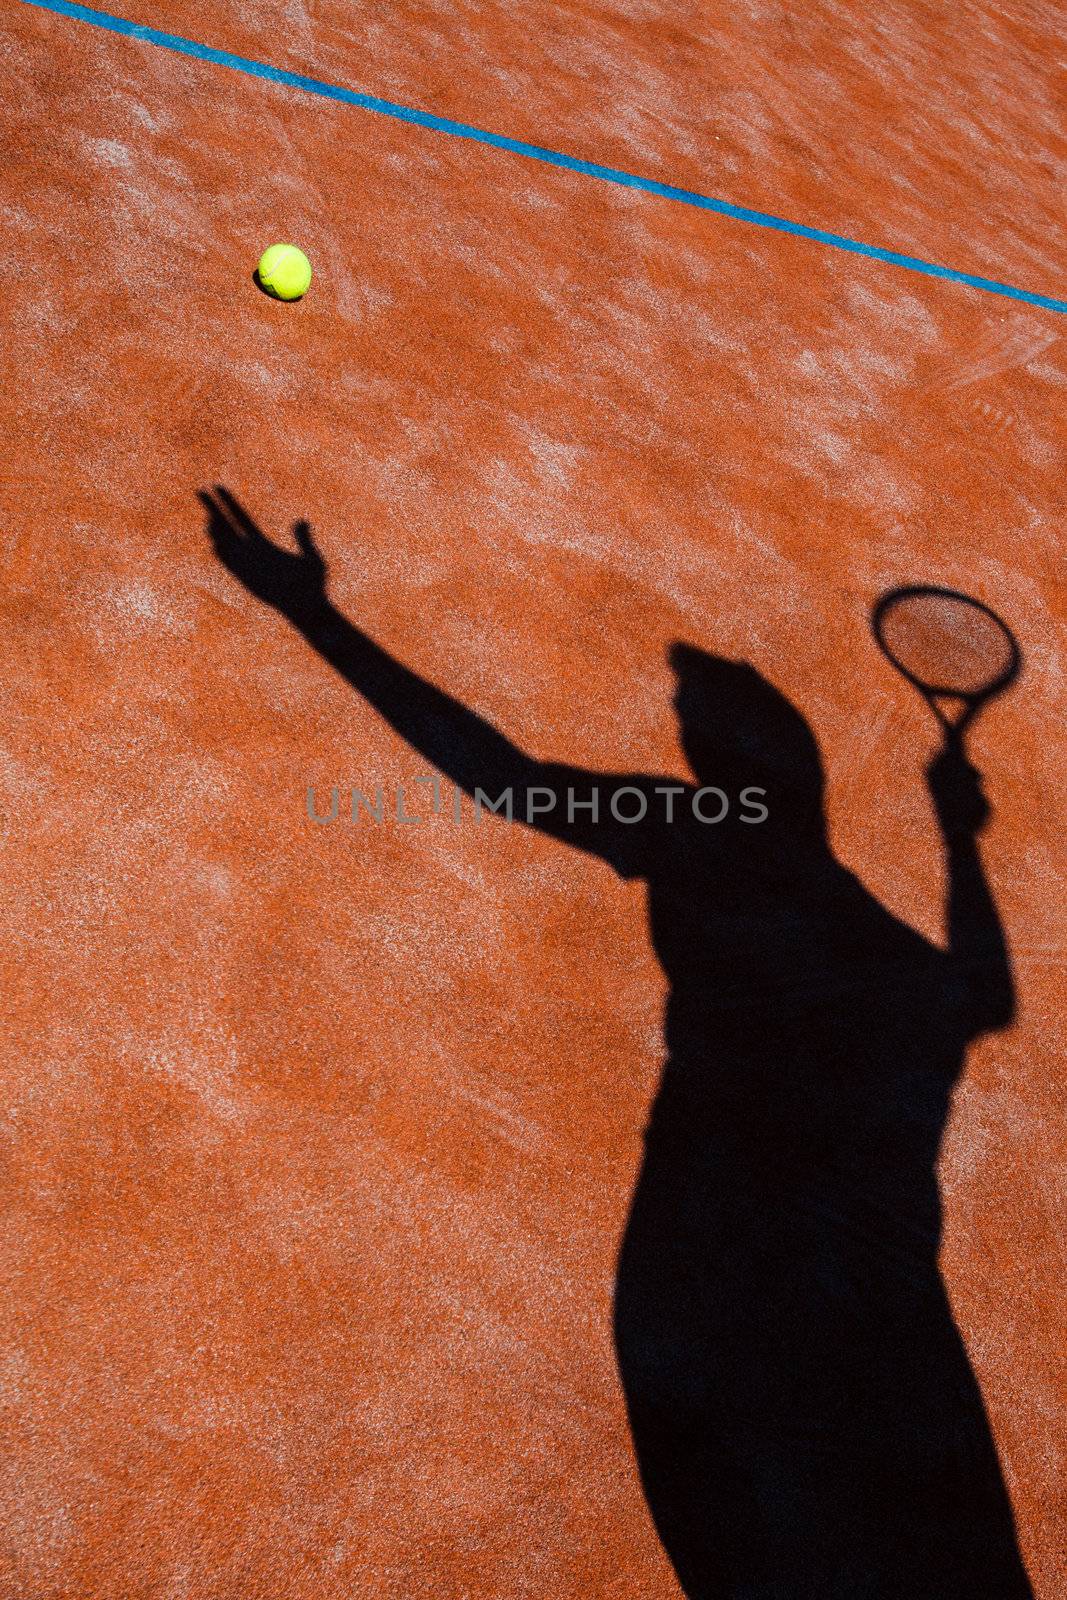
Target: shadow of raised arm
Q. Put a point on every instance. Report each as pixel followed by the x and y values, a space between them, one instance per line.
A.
pixel 977 946
pixel 454 739
pixel 459 743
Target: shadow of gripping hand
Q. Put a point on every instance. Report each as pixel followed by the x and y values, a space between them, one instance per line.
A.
pixel 956 790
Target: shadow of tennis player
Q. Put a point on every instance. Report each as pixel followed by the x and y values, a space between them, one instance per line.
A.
pixel 805 1419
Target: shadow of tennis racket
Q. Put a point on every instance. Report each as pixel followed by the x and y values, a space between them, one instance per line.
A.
pixel 953 649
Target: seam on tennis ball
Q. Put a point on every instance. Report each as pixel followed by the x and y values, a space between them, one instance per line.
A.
pixel 290 253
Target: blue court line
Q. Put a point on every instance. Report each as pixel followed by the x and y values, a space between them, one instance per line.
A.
pixel 499 141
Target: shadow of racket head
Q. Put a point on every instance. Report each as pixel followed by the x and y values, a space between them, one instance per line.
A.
pixel 952 648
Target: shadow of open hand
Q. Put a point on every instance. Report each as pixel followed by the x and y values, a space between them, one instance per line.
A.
pixel 293 584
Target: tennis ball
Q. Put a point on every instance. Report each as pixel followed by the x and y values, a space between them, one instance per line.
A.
pixel 284 271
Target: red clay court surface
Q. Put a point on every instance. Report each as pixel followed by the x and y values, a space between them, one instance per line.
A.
pixel 320 1141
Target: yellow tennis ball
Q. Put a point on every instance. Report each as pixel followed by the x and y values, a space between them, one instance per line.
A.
pixel 284 271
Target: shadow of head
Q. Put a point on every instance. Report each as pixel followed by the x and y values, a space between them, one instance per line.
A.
pixel 738 731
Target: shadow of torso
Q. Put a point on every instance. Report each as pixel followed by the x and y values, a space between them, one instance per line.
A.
pixel 804 1414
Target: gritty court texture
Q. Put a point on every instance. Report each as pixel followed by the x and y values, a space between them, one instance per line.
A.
pixel 320 1141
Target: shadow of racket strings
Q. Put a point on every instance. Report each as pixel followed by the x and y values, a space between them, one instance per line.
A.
pixel 956 651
